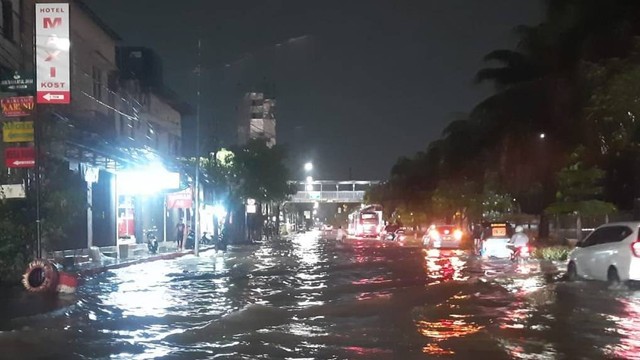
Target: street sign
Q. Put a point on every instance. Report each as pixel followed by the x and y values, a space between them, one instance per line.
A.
pixel 180 200
pixel 12 191
pixel 20 157
pixel 17 131
pixel 52 53
pixel 17 106
pixel 16 81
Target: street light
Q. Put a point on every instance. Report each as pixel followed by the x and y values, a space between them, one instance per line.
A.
pixel 542 135
pixel 308 166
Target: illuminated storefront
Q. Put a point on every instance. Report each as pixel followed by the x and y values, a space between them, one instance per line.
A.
pixel 140 194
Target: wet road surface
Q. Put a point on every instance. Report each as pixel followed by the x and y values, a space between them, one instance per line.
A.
pixel 308 298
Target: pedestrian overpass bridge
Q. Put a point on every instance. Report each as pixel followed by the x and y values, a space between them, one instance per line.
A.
pixel 331 191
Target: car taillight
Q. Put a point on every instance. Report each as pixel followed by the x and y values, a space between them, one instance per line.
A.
pixel 457 234
pixel 635 248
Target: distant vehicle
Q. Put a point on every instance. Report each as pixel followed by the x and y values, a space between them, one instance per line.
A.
pixel 397 235
pixel 610 253
pixel 328 232
pixel 366 222
pixel 495 240
pixel 388 231
pixel 442 236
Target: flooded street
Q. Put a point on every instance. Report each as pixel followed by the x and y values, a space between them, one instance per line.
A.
pixel 304 297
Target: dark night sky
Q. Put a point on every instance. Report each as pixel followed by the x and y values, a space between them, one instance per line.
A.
pixel 358 83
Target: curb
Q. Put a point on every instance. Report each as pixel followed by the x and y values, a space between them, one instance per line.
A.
pixel 167 256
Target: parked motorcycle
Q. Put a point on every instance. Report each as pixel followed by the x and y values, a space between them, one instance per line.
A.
pixel 191 240
pixel 152 242
pixel 206 239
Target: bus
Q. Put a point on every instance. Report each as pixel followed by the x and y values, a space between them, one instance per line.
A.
pixel 366 222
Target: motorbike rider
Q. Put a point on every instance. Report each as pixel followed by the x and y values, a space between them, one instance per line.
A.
pixel 518 239
pixel 341 234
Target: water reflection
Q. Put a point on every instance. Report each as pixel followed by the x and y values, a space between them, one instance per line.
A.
pixel 302 297
pixel 628 328
pixel 441 330
pixel 444 265
pixel 152 299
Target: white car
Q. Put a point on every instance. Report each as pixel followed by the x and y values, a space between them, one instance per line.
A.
pixel 442 236
pixel 610 253
pixel 497 236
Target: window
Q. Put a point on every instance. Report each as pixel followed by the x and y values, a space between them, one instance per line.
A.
pixel 150 135
pixel 7 20
pixel 97 83
pixel 606 235
pixel 132 134
pixel 123 123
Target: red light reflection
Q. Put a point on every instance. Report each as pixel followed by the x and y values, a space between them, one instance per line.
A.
pixel 359 350
pixel 444 329
pixel 628 327
pixel 443 265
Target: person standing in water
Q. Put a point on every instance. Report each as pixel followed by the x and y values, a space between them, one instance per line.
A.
pixel 180 234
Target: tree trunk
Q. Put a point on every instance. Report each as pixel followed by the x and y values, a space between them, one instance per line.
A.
pixel 543 227
pixel 579 227
pixel 216 229
pixel 277 214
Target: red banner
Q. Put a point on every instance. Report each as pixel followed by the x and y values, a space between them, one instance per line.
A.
pixel 17 106
pixel 20 157
pixel 180 200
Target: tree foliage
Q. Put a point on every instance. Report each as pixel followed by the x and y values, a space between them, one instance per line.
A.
pixel 579 188
pixel 574 78
pixel 62 208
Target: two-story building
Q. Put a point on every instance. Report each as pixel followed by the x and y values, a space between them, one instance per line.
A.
pixel 113 124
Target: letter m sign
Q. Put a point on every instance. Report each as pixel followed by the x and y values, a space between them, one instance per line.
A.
pixel 51 22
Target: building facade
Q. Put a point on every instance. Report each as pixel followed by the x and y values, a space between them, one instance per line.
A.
pixel 256 118
pixel 114 123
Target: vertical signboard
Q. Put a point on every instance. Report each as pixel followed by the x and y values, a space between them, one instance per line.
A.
pixel 52 53
pixel 17 131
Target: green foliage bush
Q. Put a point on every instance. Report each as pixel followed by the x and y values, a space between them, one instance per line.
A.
pixel 552 253
pixel 13 245
pixel 62 203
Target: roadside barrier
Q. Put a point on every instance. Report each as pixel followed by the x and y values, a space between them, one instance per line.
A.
pixel 68 283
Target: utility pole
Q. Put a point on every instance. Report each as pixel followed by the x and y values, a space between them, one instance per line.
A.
pixel 196 247
pixel 37 119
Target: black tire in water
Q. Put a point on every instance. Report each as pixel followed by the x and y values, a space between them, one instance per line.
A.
pixel 572 272
pixel 612 276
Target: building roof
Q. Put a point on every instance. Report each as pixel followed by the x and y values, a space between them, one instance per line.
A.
pixel 171 98
pixel 106 28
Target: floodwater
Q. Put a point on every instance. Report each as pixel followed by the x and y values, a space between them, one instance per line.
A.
pixel 308 298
